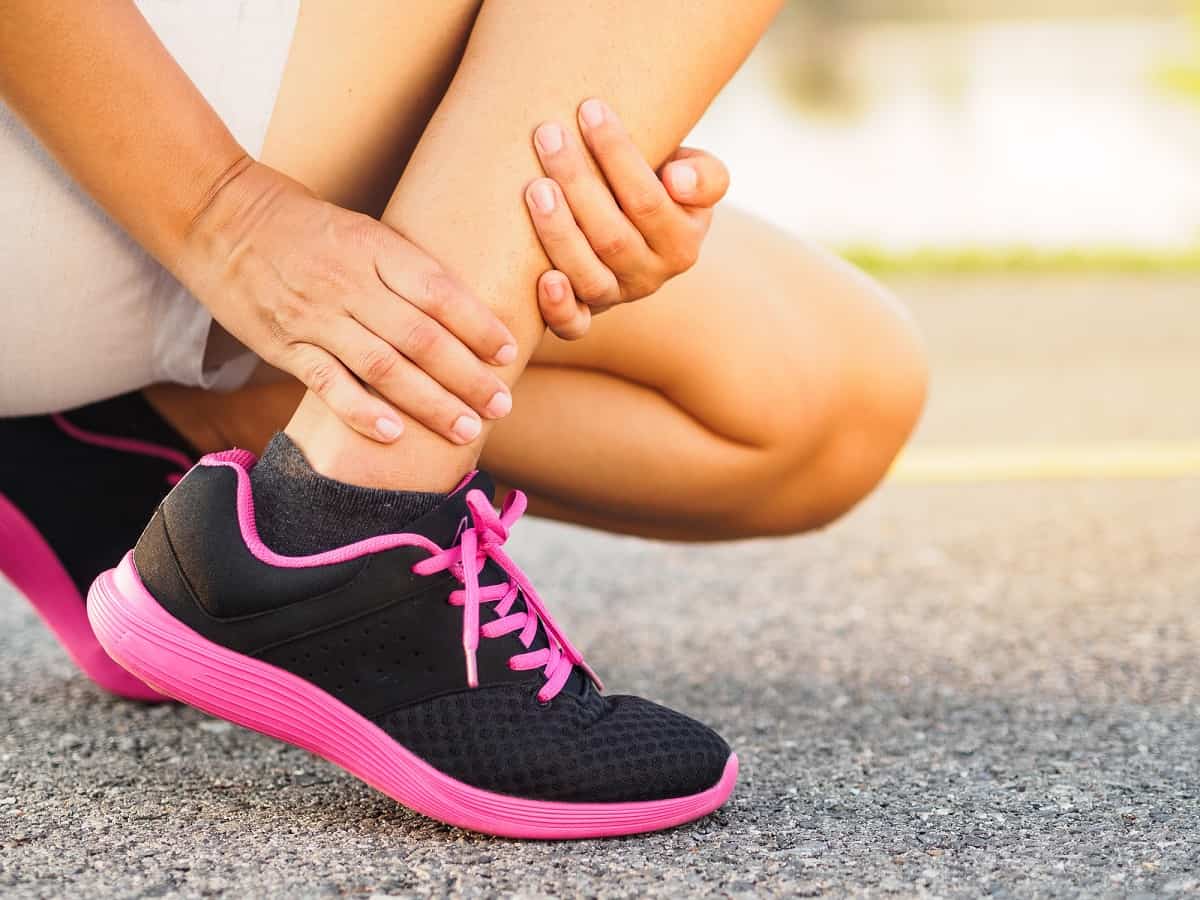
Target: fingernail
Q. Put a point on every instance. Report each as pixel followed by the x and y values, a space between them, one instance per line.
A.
pixel 555 289
pixel 466 428
pixel 506 354
pixel 499 405
pixel 388 429
pixel 543 197
pixel 592 113
pixel 549 138
pixel 683 178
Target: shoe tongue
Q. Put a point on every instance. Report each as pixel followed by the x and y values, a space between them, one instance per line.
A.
pixel 445 522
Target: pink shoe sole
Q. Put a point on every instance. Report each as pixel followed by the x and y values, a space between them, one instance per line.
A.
pixel 35 570
pixel 162 651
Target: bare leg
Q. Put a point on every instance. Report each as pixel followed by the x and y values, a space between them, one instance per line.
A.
pixel 661 67
pixel 776 421
pixel 779 405
pixel 360 85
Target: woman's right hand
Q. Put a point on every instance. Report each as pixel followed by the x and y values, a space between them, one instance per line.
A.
pixel 344 303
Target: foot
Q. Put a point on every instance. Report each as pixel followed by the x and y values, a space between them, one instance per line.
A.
pixel 75 492
pixel 423 663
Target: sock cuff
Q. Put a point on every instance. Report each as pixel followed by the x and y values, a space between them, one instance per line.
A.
pixel 297 507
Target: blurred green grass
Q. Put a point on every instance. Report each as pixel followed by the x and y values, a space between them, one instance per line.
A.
pixel 1179 77
pixel 1020 260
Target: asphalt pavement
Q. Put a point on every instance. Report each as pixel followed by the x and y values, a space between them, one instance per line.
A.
pixel 958 690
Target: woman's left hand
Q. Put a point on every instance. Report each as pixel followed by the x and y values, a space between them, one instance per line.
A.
pixel 619 236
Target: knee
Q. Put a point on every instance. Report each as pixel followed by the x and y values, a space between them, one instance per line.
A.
pixel 873 391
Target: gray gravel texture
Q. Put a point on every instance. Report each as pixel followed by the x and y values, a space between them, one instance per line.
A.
pixel 956 691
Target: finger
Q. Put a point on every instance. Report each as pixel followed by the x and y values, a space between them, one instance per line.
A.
pixel 407 271
pixel 636 185
pixel 401 382
pixel 613 238
pixel 406 333
pixel 322 374
pixel 695 178
pixel 567 246
pixel 564 315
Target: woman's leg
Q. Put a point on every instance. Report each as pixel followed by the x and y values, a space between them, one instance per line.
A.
pixel 459 197
pixel 786 409
pixel 765 391
pixel 768 416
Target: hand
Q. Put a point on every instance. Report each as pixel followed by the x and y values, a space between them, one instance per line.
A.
pixel 345 303
pixel 618 241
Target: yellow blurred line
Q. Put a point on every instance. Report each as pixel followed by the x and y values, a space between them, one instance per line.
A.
pixel 1057 461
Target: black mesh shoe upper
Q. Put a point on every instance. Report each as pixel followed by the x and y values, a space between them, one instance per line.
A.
pixel 388 643
pixel 589 748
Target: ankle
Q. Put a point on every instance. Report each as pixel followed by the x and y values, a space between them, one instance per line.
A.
pixel 419 461
pixel 300 512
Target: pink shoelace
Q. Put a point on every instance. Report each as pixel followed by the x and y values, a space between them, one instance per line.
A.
pixel 482 540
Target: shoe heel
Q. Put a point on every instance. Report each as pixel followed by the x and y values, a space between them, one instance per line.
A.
pixel 121 632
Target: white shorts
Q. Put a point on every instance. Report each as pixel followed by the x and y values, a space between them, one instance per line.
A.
pixel 85 313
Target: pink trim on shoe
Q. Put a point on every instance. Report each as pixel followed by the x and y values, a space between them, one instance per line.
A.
pixel 155 646
pixel 237 461
pixel 127 445
pixel 486 521
pixel 36 571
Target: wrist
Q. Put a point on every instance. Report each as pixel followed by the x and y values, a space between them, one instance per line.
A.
pixel 226 212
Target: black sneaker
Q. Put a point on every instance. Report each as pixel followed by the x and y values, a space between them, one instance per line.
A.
pixel 76 490
pixel 423 663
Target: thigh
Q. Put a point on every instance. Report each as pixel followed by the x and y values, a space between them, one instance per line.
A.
pixel 765 391
pixel 765 340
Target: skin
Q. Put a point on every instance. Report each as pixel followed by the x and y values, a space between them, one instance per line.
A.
pixel 788 444
pixel 779 421
pixel 498 89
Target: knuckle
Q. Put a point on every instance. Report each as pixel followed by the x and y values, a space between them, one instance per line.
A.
pixel 438 293
pixel 642 286
pixel 332 276
pixel 647 203
pixel 289 314
pixel 595 288
pixel 320 376
pixel 611 245
pixel 422 340
pixel 378 364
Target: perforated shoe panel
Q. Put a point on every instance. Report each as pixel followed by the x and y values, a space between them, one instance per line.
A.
pixel 591 749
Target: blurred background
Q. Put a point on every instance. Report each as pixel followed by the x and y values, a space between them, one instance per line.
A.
pixel 1027 176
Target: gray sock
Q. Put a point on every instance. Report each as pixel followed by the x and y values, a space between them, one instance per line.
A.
pixel 299 511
